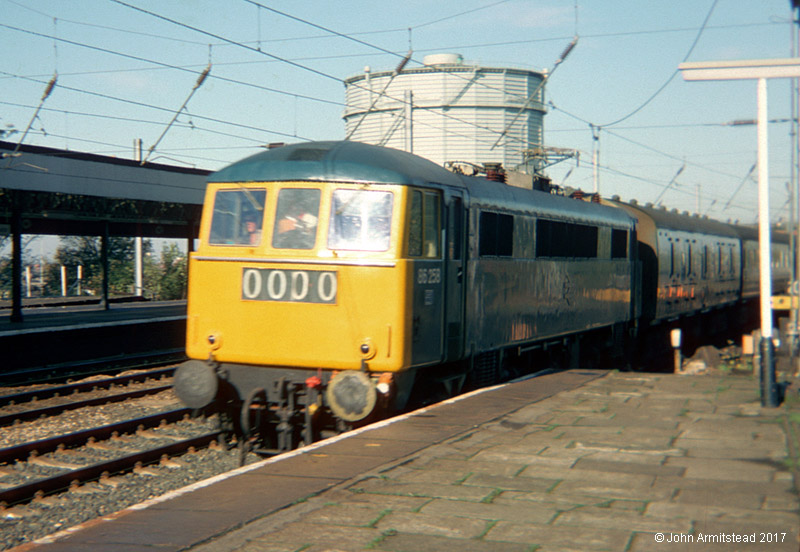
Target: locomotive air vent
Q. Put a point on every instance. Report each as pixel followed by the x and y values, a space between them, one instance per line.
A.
pixel 307 154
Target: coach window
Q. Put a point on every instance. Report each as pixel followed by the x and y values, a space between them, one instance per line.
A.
pixel 704 263
pixel 296 218
pixel 619 244
pixel 424 225
pixel 361 220
pixel 671 259
pixel 689 268
pixel 237 217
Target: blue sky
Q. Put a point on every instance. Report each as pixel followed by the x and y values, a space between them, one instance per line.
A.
pixel 122 73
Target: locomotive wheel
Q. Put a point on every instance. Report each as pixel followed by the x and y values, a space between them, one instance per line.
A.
pixel 227 424
pixel 251 416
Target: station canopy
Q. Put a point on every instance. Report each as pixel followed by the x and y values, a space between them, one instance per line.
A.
pixel 67 193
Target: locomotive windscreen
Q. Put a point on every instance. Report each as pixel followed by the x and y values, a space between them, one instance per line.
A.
pixel 238 217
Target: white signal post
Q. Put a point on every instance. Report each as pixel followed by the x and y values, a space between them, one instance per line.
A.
pixel 759 70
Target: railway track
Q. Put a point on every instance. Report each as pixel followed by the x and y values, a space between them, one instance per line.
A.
pixel 28 405
pixel 85 434
pixel 59 463
pixel 86 368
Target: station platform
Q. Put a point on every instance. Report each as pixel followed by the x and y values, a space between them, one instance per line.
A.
pixel 73 333
pixel 80 316
pixel 574 460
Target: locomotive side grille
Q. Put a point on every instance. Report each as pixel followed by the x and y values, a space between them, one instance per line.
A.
pixel 485 368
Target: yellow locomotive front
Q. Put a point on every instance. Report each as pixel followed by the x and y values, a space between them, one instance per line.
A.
pixel 299 275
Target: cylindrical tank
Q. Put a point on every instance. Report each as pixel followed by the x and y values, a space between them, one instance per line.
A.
pixel 448 110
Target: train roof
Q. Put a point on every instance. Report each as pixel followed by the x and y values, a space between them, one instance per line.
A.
pixel 342 161
pixel 346 161
pixel 488 194
pixel 750 233
pixel 670 220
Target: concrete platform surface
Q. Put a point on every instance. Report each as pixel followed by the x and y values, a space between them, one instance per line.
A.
pixel 622 463
pixel 627 461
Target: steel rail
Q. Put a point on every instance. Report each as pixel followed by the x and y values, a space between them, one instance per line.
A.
pixel 81 386
pixel 63 481
pixel 33 414
pixel 23 451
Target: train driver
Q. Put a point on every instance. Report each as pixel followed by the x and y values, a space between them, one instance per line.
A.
pixel 253 229
pixel 297 229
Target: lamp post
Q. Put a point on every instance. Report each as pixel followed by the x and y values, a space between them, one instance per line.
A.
pixel 759 70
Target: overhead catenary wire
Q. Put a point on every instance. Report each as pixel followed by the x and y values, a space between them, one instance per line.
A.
pixel 200 80
pixel 138 58
pixel 581 39
pixel 406 59
pixel 328 30
pixel 46 94
pixel 167 65
pixel 159 108
pixel 278 58
pixel 672 76
pixel 535 92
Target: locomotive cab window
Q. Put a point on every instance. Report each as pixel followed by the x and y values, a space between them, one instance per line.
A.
pixel 237 217
pixel 361 220
pixel 424 225
pixel 296 219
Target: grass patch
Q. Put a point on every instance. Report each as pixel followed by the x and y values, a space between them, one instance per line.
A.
pixel 553 486
pixel 380 516
pixel 489 524
pixel 463 478
pixel 382 537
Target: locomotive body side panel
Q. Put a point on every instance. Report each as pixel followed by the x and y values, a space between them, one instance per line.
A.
pixel 541 267
pixel 518 301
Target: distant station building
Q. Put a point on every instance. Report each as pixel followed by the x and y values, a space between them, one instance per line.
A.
pixel 449 111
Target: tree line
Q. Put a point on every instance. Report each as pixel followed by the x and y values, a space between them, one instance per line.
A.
pixel 164 274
